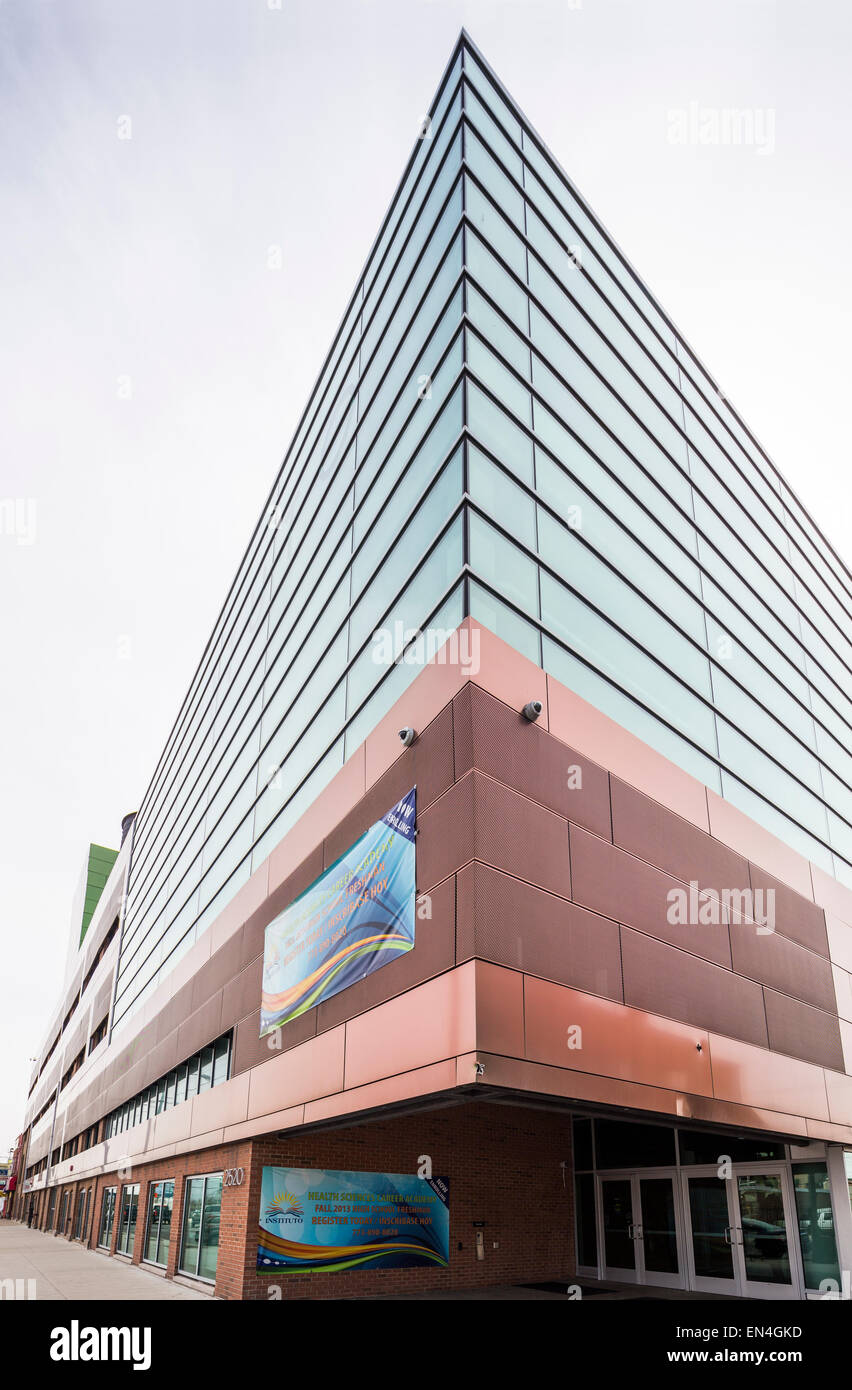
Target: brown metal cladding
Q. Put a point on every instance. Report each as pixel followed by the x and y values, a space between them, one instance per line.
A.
pixel 803 1031
pixel 519 836
pixel 617 885
pixel 783 965
pixel 428 763
pixel 650 831
pixel 503 919
pixel 795 916
pixel 524 756
pixel 250 1049
pixel 614 1041
pixel 664 980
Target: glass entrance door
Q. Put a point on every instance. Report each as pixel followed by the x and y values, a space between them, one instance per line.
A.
pixel 641 1229
pixel 766 1235
pixel 742 1232
pixel 619 1241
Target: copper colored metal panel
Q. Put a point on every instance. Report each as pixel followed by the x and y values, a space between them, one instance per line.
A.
pixel 664 980
pixel 724 1112
pixel 839 1088
pixel 250 1049
pixel 516 1074
pixel 280 897
pixel 526 757
pixel 428 764
pixel 836 1134
pixel 782 964
pixel 174 1013
pixel 835 897
pixel 753 1076
pixel 839 941
pixel 615 1041
pixel 582 726
pixel 246 901
pixel 503 672
pixel 218 971
pixel 650 831
pixel 431 1022
pixel 445 834
pixel 520 837
pixel 433 953
pixel 795 916
pixel 313 1069
pixel 505 920
pixel 616 884
pixel 499 1009
pixel 426 1081
pixel 242 995
pixel 199 1029
pixel 463 731
pixel 221 1105
pixel 428 693
pixel 733 827
pixel 803 1031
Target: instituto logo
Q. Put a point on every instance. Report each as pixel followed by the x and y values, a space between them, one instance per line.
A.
pixel 76 1343
pixel 284 1207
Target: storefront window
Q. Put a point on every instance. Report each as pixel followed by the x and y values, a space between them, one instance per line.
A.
pixel 816 1223
pixel 107 1216
pixel 158 1233
pixel 51 1208
pixel 200 1239
pixel 127 1225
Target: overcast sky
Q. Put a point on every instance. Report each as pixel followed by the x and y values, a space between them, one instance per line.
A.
pixel 153 369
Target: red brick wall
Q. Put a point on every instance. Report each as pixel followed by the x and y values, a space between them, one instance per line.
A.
pixel 504 1168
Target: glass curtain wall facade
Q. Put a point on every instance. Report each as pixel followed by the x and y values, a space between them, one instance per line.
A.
pixel 506 426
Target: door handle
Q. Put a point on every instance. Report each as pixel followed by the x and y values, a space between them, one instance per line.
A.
pixel 728 1240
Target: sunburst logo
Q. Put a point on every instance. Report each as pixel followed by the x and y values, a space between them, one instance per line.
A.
pixel 285 1204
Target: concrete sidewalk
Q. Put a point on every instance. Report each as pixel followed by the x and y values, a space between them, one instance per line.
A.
pixel 65 1270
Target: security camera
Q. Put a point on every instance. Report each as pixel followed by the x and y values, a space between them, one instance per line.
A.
pixel 479 1068
pixel 407 737
pixel 531 710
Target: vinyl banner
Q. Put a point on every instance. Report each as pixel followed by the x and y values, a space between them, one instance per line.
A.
pixel 355 918
pixel 321 1221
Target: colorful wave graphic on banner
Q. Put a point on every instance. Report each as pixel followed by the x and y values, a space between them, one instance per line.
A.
pixel 355 918
pixel 314 1221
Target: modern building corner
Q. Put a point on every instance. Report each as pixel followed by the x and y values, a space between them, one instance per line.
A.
pixel 525 569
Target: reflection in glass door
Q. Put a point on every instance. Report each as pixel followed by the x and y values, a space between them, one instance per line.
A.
pixel 711 1234
pixel 740 1233
pixel 619 1251
pixel 763 1231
